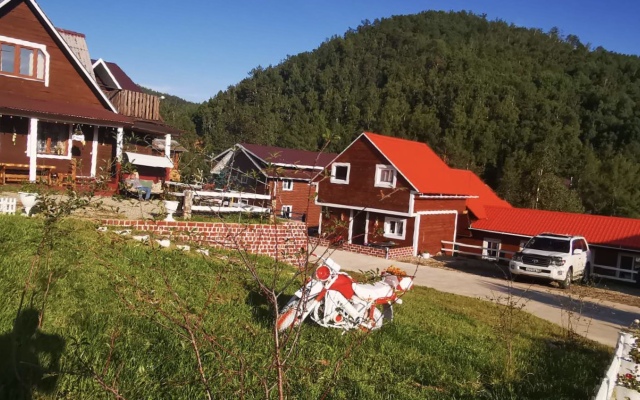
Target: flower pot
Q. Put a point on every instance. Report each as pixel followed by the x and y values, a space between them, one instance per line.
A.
pixel 171 207
pixel 28 200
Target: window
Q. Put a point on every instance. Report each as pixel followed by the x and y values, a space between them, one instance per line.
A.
pixel 7 58
pixel 491 249
pixel 385 176
pixel 394 228
pixel 53 139
pixel 244 179
pixel 287 211
pixel 340 173
pixel 23 59
pixel 287 184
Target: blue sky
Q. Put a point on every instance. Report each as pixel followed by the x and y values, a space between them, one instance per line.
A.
pixel 194 48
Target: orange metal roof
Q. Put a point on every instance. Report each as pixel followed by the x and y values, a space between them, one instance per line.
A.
pixel 420 165
pixel 597 229
pixel 486 196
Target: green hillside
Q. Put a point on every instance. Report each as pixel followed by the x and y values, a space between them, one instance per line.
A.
pixel 546 120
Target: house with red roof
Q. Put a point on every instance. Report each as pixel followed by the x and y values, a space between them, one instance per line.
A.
pixel 286 174
pixel 614 241
pixel 389 192
pixel 55 117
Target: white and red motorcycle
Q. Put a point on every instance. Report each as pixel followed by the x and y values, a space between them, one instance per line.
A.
pixel 334 300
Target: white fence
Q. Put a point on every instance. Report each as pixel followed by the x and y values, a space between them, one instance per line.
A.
pixel 224 202
pixel 618 365
pixel 7 205
pixel 487 253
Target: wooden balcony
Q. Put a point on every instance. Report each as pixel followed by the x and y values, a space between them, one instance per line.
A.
pixel 137 104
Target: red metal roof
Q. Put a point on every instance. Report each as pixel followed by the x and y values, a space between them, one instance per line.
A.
pixel 280 155
pixel 486 195
pixel 597 229
pixel 420 165
pixel 27 107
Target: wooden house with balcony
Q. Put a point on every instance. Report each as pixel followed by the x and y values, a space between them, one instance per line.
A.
pixel 55 118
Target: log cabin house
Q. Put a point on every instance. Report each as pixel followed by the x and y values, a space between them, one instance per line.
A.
pixel 60 116
pixel 283 173
pixel 386 191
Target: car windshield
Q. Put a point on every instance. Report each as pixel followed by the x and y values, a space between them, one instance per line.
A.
pixel 548 244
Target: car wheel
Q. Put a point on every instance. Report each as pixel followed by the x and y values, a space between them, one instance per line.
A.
pixel 566 283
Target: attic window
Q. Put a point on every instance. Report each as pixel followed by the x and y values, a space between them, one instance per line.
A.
pixel 340 173
pixel 26 60
pixel 385 176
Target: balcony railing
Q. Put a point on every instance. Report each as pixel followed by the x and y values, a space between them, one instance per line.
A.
pixel 137 104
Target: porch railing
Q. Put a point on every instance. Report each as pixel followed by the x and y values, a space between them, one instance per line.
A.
pixel 487 253
pixel 137 104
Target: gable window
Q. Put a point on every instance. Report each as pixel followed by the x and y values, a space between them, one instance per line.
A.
pixel 340 173
pixel 394 228
pixel 244 178
pixel 54 139
pixel 22 59
pixel 491 249
pixel 286 212
pixel 287 184
pixel 385 176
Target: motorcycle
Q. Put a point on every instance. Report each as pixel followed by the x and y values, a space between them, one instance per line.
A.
pixel 334 300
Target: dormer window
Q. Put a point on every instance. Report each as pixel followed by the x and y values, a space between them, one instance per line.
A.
pixel 26 60
pixel 385 176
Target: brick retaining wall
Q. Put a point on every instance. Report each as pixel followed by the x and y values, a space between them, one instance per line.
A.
pixel 286 242
pixel 394 252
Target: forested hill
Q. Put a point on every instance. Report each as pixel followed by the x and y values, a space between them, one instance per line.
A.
pixel 543 118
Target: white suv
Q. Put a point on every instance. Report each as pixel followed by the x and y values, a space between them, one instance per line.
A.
pixel 560 258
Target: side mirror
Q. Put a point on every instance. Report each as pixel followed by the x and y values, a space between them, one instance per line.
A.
pixel 577 251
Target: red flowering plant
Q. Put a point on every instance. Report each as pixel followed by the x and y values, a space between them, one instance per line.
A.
pixel 629 381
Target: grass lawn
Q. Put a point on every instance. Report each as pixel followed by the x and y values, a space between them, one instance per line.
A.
pixel 105 292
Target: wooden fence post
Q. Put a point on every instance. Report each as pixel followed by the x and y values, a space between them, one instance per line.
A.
pixel 188 202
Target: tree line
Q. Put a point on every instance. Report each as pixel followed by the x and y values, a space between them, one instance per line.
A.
pixel 546 120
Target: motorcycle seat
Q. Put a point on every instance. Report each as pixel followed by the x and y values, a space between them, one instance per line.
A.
pixel 371 292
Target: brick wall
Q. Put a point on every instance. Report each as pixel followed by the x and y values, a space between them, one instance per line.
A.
pixel 394 253
pixel 286 242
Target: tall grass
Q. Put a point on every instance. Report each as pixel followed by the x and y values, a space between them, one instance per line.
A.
pixel 105 290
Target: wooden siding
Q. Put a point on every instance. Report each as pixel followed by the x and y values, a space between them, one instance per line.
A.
pixel 137 104
pixel 376 229
pixel 10 152
pixel 507 242
pixel 433 229
pixel 66 84
pixel 361 192
pixel 301 198
pixel 439 204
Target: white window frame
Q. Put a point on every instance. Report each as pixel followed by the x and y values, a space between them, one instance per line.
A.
pixel 289 209
pixel 287 188
pixel 380 183
pixel 485 249
pixel 244 178
pixel 634 264
pixel 36 46
pixel 55 156
pixel 387 228
pixel 333 178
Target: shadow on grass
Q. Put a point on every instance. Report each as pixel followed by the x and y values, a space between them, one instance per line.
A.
pixel 21 350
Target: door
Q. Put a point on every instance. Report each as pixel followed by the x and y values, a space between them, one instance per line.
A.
pixel 358 227
pixel 626 264
pixel 580 260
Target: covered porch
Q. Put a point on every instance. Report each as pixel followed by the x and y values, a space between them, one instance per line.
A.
pixel 60 144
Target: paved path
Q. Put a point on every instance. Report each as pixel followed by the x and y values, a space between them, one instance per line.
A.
pixel 599 321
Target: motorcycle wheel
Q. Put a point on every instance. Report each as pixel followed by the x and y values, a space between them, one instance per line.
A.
pixel 375 323
pixel 287 315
